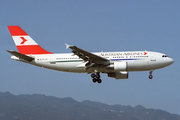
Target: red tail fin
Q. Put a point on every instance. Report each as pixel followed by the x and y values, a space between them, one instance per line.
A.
pixel 24 43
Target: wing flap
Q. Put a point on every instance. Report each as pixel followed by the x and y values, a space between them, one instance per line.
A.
pixel 22 56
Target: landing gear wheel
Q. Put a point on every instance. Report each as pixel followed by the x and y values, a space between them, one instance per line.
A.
pixel 99 80
pixel 93 75
pixel 98 76
pixel 150 76
pixel 94 80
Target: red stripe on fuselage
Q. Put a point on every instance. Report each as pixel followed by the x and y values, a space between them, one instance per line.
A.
pixel 32 49
pixel 16 31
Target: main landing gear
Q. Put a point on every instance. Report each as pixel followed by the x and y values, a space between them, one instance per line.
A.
pixel 150 76
pixel 96 77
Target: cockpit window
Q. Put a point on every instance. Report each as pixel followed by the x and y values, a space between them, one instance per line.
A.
pixel 164 56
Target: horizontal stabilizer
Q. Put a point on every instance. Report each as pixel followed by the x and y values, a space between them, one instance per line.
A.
pixel 22 56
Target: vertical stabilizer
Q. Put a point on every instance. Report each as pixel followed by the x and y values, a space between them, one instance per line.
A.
pixel 24 43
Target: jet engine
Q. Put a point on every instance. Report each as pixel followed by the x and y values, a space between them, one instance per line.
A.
pixel 118 66
pixel 119 75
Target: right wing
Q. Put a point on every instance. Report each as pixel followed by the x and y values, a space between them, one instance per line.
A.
pixel 22 56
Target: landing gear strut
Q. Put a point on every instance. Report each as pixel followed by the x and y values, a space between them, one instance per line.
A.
pixel 150 76
pixel 96 77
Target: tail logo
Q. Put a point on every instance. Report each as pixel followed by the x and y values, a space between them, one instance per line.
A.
pixel 24 40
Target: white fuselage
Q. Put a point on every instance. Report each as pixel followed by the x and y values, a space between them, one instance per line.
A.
pixel 136 61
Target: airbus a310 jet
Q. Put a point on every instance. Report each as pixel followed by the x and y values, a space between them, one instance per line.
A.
pixel 115 64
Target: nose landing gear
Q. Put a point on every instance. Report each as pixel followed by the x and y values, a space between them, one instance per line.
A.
pixel 150 76
pixel 96 77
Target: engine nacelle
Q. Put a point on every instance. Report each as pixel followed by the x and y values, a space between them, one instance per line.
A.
pixel 118 66
pixel 119 75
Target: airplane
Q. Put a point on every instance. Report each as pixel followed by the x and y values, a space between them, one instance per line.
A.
pixel 115 64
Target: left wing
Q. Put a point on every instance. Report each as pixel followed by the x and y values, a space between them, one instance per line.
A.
pixel 87 56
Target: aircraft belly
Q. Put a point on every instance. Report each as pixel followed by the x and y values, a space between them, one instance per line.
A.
pixel 156 64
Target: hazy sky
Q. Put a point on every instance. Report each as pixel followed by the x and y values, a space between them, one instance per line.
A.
pixel 95 25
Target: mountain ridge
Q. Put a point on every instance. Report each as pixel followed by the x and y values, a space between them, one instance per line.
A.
pixel 38 106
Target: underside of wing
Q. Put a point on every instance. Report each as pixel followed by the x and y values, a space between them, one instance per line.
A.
pixel 22 56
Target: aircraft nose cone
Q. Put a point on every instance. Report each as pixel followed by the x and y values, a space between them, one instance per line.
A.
pixel 170 61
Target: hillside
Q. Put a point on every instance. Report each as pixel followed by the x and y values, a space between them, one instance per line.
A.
pixel 41 107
